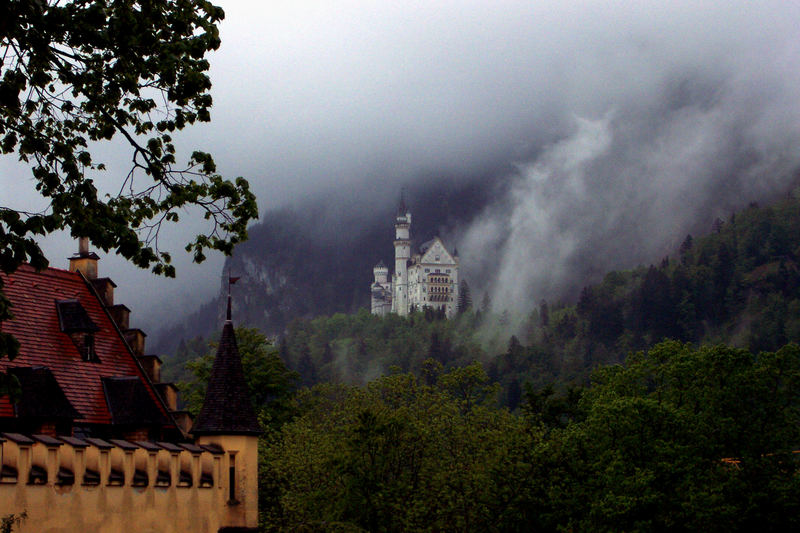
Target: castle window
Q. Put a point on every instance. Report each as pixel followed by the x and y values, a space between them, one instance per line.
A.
pixel 232 480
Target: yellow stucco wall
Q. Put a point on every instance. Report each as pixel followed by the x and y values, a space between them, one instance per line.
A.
pixel 105 508
pixel 245 450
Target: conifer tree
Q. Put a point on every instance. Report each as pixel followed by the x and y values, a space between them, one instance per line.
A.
pixel 464 297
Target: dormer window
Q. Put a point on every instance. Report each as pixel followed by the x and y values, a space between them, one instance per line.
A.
pixel 75 322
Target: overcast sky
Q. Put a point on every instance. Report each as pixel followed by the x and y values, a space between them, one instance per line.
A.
pixel 624 120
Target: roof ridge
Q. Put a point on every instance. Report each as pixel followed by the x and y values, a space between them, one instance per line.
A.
pixel 49 270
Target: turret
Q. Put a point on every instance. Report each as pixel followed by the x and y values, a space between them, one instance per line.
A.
pixel 402 253
pixel 228 420
pixel 381 291
pixel 381 272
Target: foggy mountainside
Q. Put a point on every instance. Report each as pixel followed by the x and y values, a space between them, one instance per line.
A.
pixel 542 431
pixel 316 258
pixel 610 196
pixel 739 285
pixel 563 154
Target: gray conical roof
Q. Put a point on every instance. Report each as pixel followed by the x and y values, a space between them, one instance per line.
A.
pixel 227 409
pixel 401 206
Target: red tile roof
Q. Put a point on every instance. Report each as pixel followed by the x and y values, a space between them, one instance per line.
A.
pixel 35 325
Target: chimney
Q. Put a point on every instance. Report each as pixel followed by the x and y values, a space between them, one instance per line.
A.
pixel 121 315
pixel 168 393
pixel 84 261
pixel 135 338
pixel 152 366
pixel 105 288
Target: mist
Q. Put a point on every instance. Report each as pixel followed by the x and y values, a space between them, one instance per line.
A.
pixel 600 133
pixel 682 120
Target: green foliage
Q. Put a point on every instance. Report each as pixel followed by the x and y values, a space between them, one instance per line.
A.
pixel 685 439
pixel 677 438
pixel 356 348
pixel 270 383
pixel 396 455
pixel 78 73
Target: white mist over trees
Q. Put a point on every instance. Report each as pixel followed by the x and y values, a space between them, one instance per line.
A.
pixel 601 136
pixel 697 102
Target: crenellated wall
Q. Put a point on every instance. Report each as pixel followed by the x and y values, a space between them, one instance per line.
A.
pixel 69 485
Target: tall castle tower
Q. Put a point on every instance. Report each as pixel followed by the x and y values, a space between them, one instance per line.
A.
pixel 402 254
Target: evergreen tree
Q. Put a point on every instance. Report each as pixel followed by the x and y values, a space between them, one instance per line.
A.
pixel 544 314
pixel 514 394
pixel 464 297
pixel 486 303
pixel 685 248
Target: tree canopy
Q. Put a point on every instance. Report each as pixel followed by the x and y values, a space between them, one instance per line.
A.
pixel 77 74
pixel 676 439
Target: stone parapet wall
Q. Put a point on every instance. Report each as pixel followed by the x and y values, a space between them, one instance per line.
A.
pixel 68 484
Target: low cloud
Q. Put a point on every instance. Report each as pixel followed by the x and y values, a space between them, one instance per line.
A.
pixel 626 124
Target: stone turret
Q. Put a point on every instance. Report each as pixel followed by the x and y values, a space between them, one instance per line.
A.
pixel 381 291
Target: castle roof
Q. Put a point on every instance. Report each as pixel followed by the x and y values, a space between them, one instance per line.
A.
pixel 381 264
pixel 227 408
pixel 425 245
pixel 434 250
pixel 401 206
pixel 56 379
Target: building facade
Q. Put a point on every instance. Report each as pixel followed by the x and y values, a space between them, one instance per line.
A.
pixel 91 440
pixel 427 278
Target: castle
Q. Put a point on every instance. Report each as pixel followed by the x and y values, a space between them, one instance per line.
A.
pixel 427 279
pixel 92 440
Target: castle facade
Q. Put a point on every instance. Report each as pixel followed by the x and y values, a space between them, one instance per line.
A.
pixel 427 278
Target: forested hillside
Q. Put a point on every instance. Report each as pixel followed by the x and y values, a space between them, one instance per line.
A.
pixel 738 285
pixel 675 438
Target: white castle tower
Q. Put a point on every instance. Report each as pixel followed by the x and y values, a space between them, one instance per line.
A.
pixel 381 290
pixel 402 253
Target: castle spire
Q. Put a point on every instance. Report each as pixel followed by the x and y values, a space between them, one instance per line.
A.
pixel 227 409
pixel 231 281
pixel 401 206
